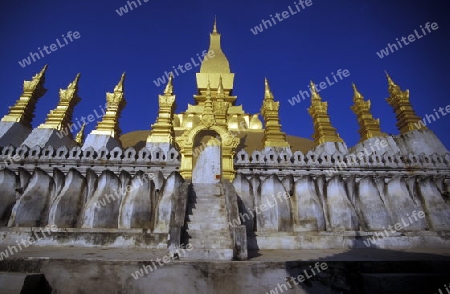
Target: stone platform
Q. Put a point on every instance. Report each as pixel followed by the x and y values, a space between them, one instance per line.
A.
pixel 110 270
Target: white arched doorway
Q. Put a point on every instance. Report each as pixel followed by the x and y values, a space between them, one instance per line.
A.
pixel 207 157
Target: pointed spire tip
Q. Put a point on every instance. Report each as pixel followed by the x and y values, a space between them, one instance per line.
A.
pixel 41 73
pixel 390 81
pixel 169 87
pixel 119 86
pixel 220 89
pixel 74 84
pixel 215 25
pixel 268 91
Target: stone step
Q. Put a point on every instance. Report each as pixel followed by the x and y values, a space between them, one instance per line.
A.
pixel 207 208
pixel 209 254
pixel 207 200
pixel 206 204
pixel 211 197
pixel 202 233
pixel 214 215
pixel 207 191
pixel 200 193
pixel 214 218
pixel 207 226
pixel 223 233
pixel 211 244
pixel 209 234
pixel 204 187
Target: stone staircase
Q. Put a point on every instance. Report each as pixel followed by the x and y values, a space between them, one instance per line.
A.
pixel 207 225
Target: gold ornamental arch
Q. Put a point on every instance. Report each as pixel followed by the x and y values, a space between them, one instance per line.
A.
pixel 228 144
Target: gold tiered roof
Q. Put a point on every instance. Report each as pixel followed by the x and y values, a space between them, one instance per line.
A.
pixel 273 136
pixel 369 127
pixel 162 130
pixel 323 130
pixel 61 117
pixel 115 102
pixel 23 111
pixel 407 120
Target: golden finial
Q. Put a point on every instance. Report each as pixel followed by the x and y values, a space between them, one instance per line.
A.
pixel 208 89
pixel 407 120
pixel 314 94
pixel 61 117
pixel 369 127
pixel 109 125
pixel 390 81
pixel 273 136
pixel 220 90
pixel 356 94
pixel 220 107
pixel 23 111
pixel 169 86
pixel 41 74
pixel 162 130
pixel 80 136
pixel 323 130
pixel 119 87
pixel 208 111
pixel 267 92
pixel 208 100
pixel 215 25
pixel 74 84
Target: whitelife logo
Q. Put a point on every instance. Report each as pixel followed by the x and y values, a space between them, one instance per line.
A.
pixel 124 9
pixel 281 16
pixel 53 47
pixel 411 38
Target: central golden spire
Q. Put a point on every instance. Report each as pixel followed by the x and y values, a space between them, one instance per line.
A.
pixel 215 25
pixel 215 65
pixel 215 82
pixel 219 63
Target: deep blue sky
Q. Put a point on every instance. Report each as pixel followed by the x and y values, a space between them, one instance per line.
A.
pixel 325 37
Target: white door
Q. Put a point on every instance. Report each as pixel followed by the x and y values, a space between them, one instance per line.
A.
pixel 206 159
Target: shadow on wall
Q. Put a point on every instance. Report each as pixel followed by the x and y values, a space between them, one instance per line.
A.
pixel 252 242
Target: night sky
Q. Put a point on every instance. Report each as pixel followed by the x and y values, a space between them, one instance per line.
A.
pixel 310 44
